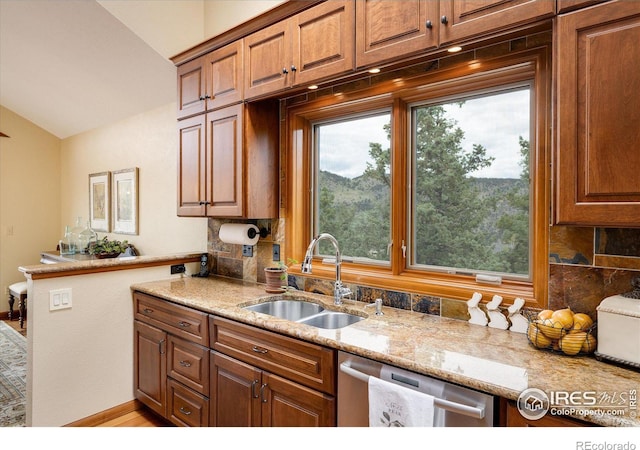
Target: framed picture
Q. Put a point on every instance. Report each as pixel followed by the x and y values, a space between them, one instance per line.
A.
pixel 99 198
pixel 125 201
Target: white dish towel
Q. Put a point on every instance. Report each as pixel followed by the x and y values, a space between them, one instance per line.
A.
pixel 391 405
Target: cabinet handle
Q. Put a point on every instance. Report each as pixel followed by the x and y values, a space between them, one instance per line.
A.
pixel 147 310
pixel 259 350
pixel 262 397
pixel 293 68
pixel 204 203
pixel 444 20
pixel 184 324
pixel 185 363
pixel 254 394
pixel 186 412
pixel 284 70
pixel 429 25
pixel 205 97
pixel 161 347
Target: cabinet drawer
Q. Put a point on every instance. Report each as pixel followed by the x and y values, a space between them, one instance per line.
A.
pixel 188 363
pixel 179 320
pixel 308 364
pixel 186 407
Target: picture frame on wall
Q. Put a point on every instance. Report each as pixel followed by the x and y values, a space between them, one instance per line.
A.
pixel 99 201
pixel 125 201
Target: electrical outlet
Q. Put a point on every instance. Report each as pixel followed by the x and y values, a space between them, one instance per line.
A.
pixel 275 252
pixel 247 250
pixel 178 268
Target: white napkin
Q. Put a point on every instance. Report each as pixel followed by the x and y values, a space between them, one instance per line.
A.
pixel 391 405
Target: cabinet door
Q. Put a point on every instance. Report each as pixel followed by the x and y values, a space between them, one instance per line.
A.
pixel 323 41
pixel 224 163
pixel 288 404
pixel 598 95
pixel 191 166
pixel 235 393
pixel 569 5
pixel 461 19
pixel 150 366
pixel 188 364
pixel 388 29
pixel 191 88
pixel 185 407
pixel 224 75
pixel 267 60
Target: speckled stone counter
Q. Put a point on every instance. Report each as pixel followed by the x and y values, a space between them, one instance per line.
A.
pixel 80 266
pixel 494 361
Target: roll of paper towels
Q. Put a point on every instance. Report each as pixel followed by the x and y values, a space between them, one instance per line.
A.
pixel 239 233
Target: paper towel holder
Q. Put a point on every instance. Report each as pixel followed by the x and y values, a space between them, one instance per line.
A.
pixel 252 233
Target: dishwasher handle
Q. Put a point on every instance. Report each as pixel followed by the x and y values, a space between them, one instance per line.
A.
pixel 471 411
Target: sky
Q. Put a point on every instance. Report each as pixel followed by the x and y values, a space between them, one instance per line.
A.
pixel 496 123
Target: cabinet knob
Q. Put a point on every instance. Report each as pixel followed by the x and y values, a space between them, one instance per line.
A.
pixel 284 70
pixel 293 68
pixel 429 25
pixel 444 20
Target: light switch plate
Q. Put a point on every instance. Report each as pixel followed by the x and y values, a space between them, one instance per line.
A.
pixel 60 299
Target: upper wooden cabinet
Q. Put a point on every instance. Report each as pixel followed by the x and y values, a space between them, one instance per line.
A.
pixel 211 81
pixel 598 116
pixel 389 29
pixel 570 5
pixel 315 44
pixel 462 19
pixel 228 162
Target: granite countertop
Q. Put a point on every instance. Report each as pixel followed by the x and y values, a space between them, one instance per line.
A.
pixel 88 264
pixel 495 361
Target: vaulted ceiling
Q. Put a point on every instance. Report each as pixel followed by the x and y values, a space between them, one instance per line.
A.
pixel 70 66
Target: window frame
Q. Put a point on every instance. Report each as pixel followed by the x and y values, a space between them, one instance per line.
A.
pixel 397 94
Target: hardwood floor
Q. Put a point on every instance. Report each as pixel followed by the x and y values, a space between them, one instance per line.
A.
pixel 16 326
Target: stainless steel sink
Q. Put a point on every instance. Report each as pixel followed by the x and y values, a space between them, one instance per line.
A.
pixel 306 312
pixel 287 309
pixel 331 320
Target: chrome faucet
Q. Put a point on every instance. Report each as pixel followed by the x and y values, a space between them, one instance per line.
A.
pixel 339 292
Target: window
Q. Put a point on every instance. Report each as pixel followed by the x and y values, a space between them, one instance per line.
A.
pixel 352 192
pixel 470 184
pixel 431 185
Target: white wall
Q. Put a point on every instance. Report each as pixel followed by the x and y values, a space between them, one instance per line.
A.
pixel 148 141
pixel 222 15
pixel 29 197
pixel 80 360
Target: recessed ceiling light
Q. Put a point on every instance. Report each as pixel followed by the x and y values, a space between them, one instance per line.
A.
pixel 454 49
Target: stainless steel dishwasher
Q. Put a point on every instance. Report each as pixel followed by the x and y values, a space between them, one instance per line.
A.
pixel 454 406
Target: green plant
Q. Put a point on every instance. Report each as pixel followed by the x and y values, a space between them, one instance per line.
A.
pixel 105 246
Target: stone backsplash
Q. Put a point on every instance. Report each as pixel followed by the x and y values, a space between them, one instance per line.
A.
pixel 586 265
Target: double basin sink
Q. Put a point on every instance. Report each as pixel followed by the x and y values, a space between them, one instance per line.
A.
pixel 301 310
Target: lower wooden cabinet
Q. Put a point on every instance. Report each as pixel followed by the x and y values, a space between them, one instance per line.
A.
pixel 244 396
pixel 515 419
pixel 265 379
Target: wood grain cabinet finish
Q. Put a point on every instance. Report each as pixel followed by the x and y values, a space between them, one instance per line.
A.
pixel 515 419
pixel 564 6
pixel 228 162
pixel 463 19
pixel 389 29
pixel 598 112
pixel 211 81
pixel 260 378
pixel 171 360
pixel 315 44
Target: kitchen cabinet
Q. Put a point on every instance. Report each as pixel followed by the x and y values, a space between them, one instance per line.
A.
pixel 211 81
pixel 463 19
pixel 313 45
pixel 171 360
pixel 570 5
pixel 228 162
pixel 259 378
pixel 388 29
pixel 598 110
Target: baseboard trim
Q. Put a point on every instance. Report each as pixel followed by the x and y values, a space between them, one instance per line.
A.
pixel 107 415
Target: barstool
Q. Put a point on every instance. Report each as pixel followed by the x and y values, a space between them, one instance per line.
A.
pixel 19 291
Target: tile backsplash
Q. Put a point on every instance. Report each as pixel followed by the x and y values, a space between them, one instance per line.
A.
pixel 586 265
